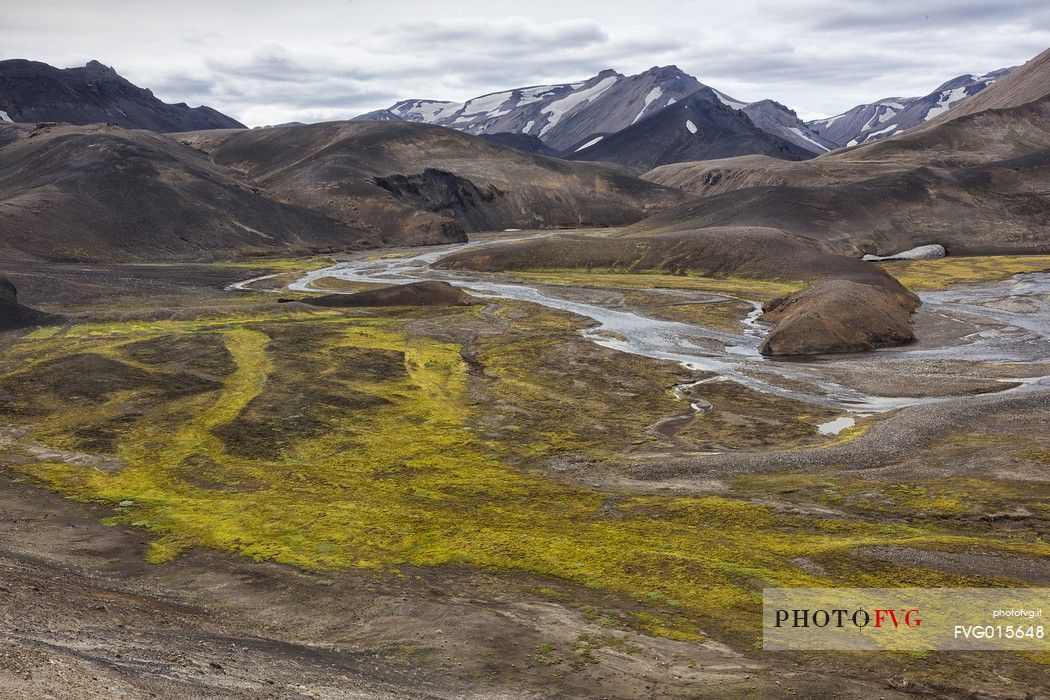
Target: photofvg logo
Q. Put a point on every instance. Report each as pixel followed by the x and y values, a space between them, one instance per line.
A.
pixel 840 617
pixel 905 618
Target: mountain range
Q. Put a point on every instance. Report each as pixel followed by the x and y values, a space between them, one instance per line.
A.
pixel 892 115
pixel 571 119
pixel 32 92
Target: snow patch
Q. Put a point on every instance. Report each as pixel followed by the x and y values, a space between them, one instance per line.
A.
pixel 691 126
pixel 830 120
pixel 834 427
pixel 798 132
pixel 589 144
pixel 4 117
pixel 922 252
pixel 872 134
pixel 528 125
pixel 728 101
pixel 488 105
pixel 559 108
pixel 946 101
pixel 651 97
pixel 427 111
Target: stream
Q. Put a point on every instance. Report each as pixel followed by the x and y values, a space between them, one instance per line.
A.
pixel 1013 315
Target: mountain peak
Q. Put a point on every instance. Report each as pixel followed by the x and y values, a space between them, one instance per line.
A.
pixel 100 67
pixel 671 71
pixel 94 94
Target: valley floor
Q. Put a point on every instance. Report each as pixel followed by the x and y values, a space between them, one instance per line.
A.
pixel 210 494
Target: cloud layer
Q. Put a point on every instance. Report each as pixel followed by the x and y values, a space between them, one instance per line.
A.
pixel 269 62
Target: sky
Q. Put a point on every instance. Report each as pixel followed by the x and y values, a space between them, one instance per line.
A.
pixel 268 62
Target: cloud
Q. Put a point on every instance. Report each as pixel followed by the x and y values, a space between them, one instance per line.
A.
pixel 911 16
pixel 333 59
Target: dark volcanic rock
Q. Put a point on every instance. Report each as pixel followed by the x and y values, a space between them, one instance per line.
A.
pixel 700 127
pixel 427 293
pixel 36 92
pixel 14 315
pixel 838 315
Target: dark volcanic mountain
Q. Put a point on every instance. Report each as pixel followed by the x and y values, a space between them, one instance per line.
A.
pixel 892 115
pixel 699 127
pixel 379 115
pixel 776 119
pixel 32 92
pixel 414 183
pixel 110 194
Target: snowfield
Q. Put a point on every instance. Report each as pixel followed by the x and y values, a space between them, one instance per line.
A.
pixel 559 108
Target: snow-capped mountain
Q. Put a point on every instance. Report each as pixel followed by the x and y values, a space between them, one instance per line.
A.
pixel 562 116
pixel 701 126
pixel 571 117
pixel 892 115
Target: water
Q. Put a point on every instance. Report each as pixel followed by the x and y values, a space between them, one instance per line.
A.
pixel 1017 335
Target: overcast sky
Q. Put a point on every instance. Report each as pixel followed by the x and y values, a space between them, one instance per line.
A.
pixel 267 62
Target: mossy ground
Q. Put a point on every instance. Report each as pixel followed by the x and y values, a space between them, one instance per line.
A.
pixel 920 275
pixel 329 440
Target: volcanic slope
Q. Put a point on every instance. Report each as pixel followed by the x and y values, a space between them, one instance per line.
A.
pixel 103 193
pixel 974 182
pixel 696 128
pixel 414 183
pixel 32 92
pixel 1009 119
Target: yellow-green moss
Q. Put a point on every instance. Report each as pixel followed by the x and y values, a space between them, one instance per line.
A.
pixel 944 272
pixel 408 479
pixel 742 287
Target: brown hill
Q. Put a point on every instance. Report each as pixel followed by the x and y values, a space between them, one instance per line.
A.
pixel 999 207
pixel 415 183
pixel 838 315
pixel 111 194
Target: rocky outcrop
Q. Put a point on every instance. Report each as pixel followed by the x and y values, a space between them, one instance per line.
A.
pixel 14 315
pixel 837 315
